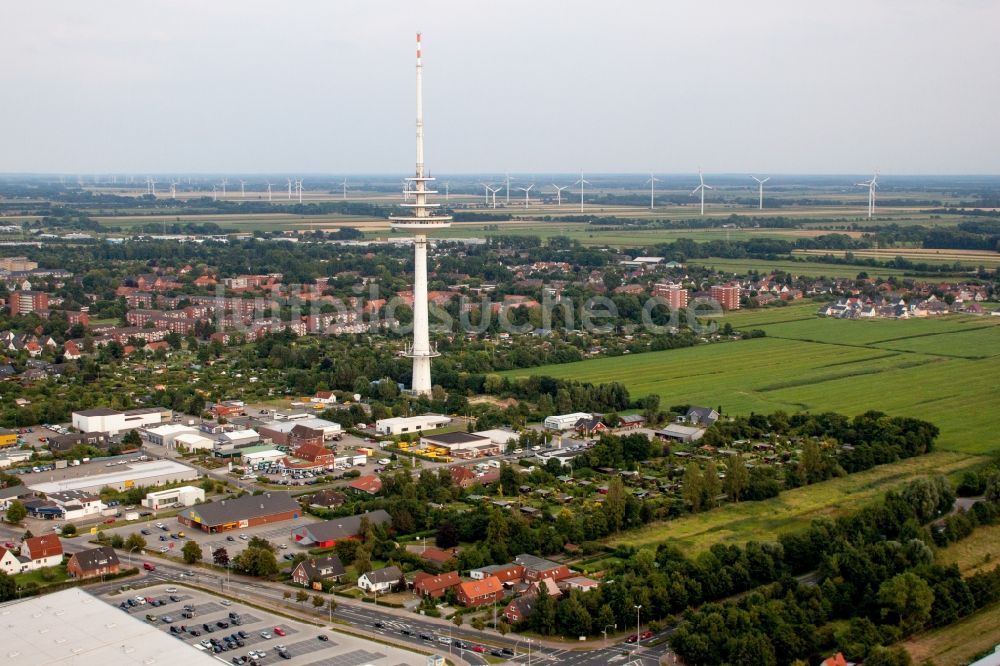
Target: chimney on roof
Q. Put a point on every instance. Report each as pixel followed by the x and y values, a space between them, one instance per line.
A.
pixel 262 505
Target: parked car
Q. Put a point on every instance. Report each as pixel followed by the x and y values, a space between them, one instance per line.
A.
pixel 279 631
pixel 323 638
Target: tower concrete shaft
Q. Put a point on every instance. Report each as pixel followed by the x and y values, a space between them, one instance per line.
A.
pixel 420 221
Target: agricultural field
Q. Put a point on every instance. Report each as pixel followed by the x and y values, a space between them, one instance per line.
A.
pixel 956 644
pixel 979 551
pixel 971 258
pixel 944 371
pixel 798 268
pixel 792 509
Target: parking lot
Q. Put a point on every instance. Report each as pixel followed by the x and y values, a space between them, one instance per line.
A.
pixel 164 541
pixel 260 632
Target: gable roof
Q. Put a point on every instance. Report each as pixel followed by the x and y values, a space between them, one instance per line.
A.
pixel 384 575
pixel 521 606
pixel 370 484
pixel 702 415
pixel 535 563
pixel 343 528
pixel 473 589
pixel 241 508
pixel 321 567
pixel 96 558
pixel 429 583
pixel 46 545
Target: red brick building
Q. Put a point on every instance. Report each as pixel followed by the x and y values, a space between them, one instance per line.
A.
pixel 101 561
pixel 25 302
pixel 728 296
pixel 675 295
pixel 315 453
pixel 429 585
pixel 475 593
pixel 240 513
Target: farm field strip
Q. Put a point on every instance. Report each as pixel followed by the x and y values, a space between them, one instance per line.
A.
pixel 979 551
pixel 956 644
pixel 792 509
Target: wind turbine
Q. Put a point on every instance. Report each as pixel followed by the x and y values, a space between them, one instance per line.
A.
pixel 344 186
pixel 289 189
pixel 653 180
pixel 760 184
pixel 215 195
pixel 871 185
pixel 406 190
pixel 298 186
pixel 243 191
pixel 581 183
pixel 446 183
pixel 526 190
pixel 173 189
pixel 269 190
pixel 152 187
pixel 487 195
pixel 224 183
pixel 559 193
pixel 493 193
pixel 507 180
pixel 702 186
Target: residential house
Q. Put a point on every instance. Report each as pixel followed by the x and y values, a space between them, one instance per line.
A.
pixel 9 562
pixel 475 593
pixel 315 453
pixel 703 416
pixel 520 609
pixel 319 569
pixel 590 426
pixel 100 561
pixel 506 573
pixel 435 587
pixel 327 499
pixel 537 568
pixel 581 583
pixel 369 485
pixel 42 551
pixel 631 421
pixel 551 587
pixel 381 580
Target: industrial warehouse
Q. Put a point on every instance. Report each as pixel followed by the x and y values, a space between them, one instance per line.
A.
pixel 328 533
pixel 240 513
pixel 130 475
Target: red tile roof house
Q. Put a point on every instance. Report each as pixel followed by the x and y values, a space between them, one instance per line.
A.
pixel 43 551
pixel 315 453
pixel 371 485
pixel 476 593
pixel 429 585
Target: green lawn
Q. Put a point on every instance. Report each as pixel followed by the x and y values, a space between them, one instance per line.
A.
pixel 929 369
pixel 956 644
pixel 56 574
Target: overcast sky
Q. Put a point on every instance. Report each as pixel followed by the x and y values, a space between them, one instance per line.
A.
pixel 242 86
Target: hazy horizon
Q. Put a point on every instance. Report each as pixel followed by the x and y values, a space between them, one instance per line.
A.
pixel 773 87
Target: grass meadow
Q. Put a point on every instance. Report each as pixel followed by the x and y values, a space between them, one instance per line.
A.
pixel 942 370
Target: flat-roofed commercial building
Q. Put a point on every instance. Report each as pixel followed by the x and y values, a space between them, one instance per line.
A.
pixel 154 473
pixel 74 627
pixel 185 495
pixel 401 425
pixel 241 513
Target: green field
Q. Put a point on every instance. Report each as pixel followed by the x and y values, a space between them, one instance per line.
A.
pixel 942 370
pixel 793 509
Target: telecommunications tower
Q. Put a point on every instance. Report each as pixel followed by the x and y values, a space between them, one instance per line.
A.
pixel 420 222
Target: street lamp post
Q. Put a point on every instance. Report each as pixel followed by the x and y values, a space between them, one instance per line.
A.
pixel 638 635
pixel 130 555
pixel 606 632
